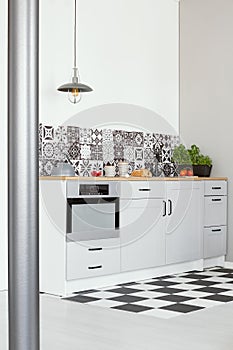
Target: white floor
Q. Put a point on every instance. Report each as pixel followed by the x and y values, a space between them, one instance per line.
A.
pixel 68 325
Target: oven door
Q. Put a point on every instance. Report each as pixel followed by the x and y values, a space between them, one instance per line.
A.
pixel 92 218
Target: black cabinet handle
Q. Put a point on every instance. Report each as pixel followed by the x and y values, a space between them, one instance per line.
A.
pixel 216 200
pixel 170 207
pixel 95 267
pixel 216 188
pixel 144 189
pixel 216 230
pixel 94 249
pixel 164 208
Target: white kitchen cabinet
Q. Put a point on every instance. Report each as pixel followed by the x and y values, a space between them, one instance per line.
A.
pixel 142 225
pixel 184 221
pixel 215 219
pixel 92 258
pixel 160 223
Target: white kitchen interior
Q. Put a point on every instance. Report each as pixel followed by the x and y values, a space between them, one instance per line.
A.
pixel 135 249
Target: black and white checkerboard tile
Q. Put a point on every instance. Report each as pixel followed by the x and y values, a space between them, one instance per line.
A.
pixel 166 296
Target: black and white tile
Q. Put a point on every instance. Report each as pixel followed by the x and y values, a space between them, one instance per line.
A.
pixel 74 151
pixel 149 141
pixel 47 133
pixel 85 136
pixel 60 151
pixel 167 296
pixel 85 151
pixel 138 154
pixel 138 139
pixel 96 136
pixel 61 134
pixel 72 134
pixel 107 135
pixel 149 155
pixel 129 153
pixel 139 149
pixel 118 137
pixel 97 152
pixel 48 150
pixel 128 138
pixel 46 166
pixel 118 151
pixel 108 152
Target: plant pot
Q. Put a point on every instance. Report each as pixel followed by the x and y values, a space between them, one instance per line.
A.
pixel 202 170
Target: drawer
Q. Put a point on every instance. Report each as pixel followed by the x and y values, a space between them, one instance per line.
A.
pixel 86 260
pixel 142 189
pixel 185 185
pixel 215 211
pixel 215 188
pixel 214 241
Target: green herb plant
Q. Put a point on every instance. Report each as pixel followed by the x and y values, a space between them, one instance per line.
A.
pixel 197 158
pixel 181 155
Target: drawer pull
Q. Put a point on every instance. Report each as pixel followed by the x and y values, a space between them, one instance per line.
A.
pixel 216 188
pixel 95 267
pixel 216 230
pixel 94 249
pixel 144 189
pixel 216 200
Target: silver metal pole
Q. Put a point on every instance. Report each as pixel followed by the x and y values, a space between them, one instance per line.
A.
pixel 23 174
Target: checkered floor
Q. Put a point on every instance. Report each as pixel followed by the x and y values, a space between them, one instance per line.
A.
pixel 166 296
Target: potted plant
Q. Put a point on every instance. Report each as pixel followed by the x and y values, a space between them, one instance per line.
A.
pixel 202 165
pixel 182 159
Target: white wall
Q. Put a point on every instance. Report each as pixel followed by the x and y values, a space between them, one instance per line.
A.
pixel 207 85
pixel 3 144
pixel 128 51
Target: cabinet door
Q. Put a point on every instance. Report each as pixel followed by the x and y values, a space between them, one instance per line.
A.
pixel 142 231
pixel 184 233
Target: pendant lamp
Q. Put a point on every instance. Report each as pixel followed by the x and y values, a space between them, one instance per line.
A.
pixel 75 88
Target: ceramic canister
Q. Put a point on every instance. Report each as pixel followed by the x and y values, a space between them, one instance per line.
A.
pixel 110 170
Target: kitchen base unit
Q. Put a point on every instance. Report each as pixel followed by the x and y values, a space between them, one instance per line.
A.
pixel 94 236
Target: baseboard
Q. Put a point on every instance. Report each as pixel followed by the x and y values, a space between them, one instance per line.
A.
pixel 228 265
pixel 217 261
pixel 125 277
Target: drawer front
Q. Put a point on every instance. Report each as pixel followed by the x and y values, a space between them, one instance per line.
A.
pixel 215 211
pixel 214 241
pixel 85 260
pixel 215 188
pixel 142 189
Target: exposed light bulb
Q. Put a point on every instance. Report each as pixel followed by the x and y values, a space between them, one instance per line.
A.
pixel 74 96
pixel 75 92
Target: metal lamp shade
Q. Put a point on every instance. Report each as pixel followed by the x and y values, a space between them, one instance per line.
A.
pixel 71 86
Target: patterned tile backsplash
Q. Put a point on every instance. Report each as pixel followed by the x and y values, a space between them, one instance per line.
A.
pixel 92 149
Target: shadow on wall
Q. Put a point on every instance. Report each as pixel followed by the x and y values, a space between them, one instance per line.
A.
pixel 122 116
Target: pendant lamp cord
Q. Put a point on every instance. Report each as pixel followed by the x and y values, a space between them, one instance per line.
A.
pixel 75 34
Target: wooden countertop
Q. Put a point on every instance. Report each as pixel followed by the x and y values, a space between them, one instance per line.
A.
pixel 132 178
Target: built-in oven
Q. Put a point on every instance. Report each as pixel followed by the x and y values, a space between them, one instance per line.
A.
pixel 92 210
